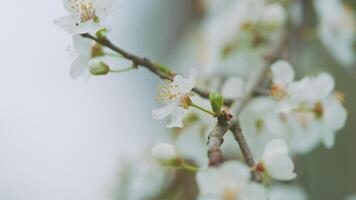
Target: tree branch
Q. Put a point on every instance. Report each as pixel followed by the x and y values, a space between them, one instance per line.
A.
pixel 154 67
pixel 216 139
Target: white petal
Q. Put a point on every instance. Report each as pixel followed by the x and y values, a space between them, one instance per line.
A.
pixel 67 23
pixel 323 85
pixel 103 7
pixel 253 191
pixel 164 152
pixel 87 27
pixel 280 167
pixel 328 137
pixel 82 45
pixel 69 5
pixel 185 85
pixel 176 118
pixel 192 78
pixel 163 112
pixel 282 72
pixel 207 182
pixel 335 114
pixel 238 172
pixel 79 67
pixel 276 146
pixel 233 88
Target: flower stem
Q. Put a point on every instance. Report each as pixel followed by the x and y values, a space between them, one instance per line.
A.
pixel 190 167
pixel 113 54
pixel 203 109
pixel 121 70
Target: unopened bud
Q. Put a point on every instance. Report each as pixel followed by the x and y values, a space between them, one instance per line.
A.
pixel 216 101
pixel 166 154
pixel 98 67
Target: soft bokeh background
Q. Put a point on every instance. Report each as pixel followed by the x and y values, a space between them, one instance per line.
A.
pixel 63 139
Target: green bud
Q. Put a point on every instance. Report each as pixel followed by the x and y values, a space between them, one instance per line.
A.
pixel 101 33
pixel 98 67
pixel 216 101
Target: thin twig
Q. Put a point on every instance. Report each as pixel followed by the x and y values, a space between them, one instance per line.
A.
pixel 154 67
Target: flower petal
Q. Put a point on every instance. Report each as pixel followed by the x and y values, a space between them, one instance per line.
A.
pixel 253 191
pixel 69 5
pixel 280 167
pixel 335 114
pixel 161 113
pixel 87 27
pixel 323 85
pixel 276 146
pixel 82 45
pixel 67 23
pixel 282 73
pixel 79 67
pixel 103 7
pixel 176 118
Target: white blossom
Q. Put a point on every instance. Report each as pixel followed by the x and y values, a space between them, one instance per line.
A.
pixel 231 180
pixel 329 113
pixel 141 178
pixel 165 153
pixel 276 161
pixel 337 29
pixel 176 97
pixel 84 15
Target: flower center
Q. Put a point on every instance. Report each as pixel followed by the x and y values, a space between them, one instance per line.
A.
pixel 277 92
pixel 166 94
pixel 229 194
pixel 318 110
pixel 85 10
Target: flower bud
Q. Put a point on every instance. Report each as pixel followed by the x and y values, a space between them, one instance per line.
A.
pixel 166 154
pixel 216 101
pixel 98 67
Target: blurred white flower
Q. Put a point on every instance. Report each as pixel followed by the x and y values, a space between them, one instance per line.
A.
pixel 231 180
pixel 337 29
pixel 84 15
pixel 283 192
pixel 276 162
pixel 165 153
pixel 176 97
pixel 274 14
pixel 233 88
pixel 329 113
pixel 142 178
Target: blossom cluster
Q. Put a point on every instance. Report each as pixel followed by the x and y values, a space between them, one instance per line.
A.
pixel 280 116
